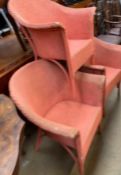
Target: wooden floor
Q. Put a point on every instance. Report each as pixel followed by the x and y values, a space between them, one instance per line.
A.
pixel 11 58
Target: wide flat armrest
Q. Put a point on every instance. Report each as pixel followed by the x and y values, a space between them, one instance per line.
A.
pixel 107 54
pixel 54 128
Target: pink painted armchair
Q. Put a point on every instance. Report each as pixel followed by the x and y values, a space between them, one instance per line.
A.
pixel 108 56
pixel 41 90
pixel 106 60
pixel 56 32
pixel 65 35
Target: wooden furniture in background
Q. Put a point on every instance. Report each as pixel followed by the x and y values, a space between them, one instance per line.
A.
pixel 11 126
pixel 81 4
pixel 3 3
pixel 58 1
pixel 106 23
pixel 12 57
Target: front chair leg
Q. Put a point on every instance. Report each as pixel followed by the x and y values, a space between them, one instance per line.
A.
pixel 81 166
pixel 39 139
pixel 118 86
pixel 80 158
pixel 99 131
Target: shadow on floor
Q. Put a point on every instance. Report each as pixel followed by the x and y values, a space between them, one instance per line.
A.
pixel 51 159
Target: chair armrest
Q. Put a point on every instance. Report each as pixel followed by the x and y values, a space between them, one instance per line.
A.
pixel 47 125
pixel 116 16
pixel 52 127
pixel 51 38
pixel 91 88
pixel 55 128
pixel 107 54
pixel 93 69
pixel 112 22
pixel 79 22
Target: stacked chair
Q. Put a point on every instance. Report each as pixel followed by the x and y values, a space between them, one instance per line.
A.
pixel 64 89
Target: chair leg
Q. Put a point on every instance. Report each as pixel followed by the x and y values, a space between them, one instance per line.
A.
pixel 15 27
pixel 99 131
pixel 80 157
pixel 39 139
pixel 118 86
pixel 81 167
pixel 77 159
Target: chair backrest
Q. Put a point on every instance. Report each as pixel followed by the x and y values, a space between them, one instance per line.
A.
pixel 33 13
pixel 42 28
pixel 45 22
pixel 49 42
pixel 40 84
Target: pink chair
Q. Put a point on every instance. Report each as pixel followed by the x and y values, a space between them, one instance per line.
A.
pixel 106 60
pixel 66 34
pixel 109 57
pixel 56 32
pixel 41 90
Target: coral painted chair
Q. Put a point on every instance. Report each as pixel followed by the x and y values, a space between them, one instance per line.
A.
pixel 66 34
pixel 107 60
pixel 109 57
pixel 41 90
pixel 56 32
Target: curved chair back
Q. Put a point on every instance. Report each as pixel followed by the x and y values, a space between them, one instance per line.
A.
pixel 40 84
pixel 39 13
pixel 49 25
pixel 49 42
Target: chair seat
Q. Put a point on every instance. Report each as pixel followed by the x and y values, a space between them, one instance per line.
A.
pixel 112 39
pixel 83 117
pixel 113 76
pixel 80 51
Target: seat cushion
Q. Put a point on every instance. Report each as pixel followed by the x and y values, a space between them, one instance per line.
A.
pixel 83 117
pixel 113 76
pixel 80 51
